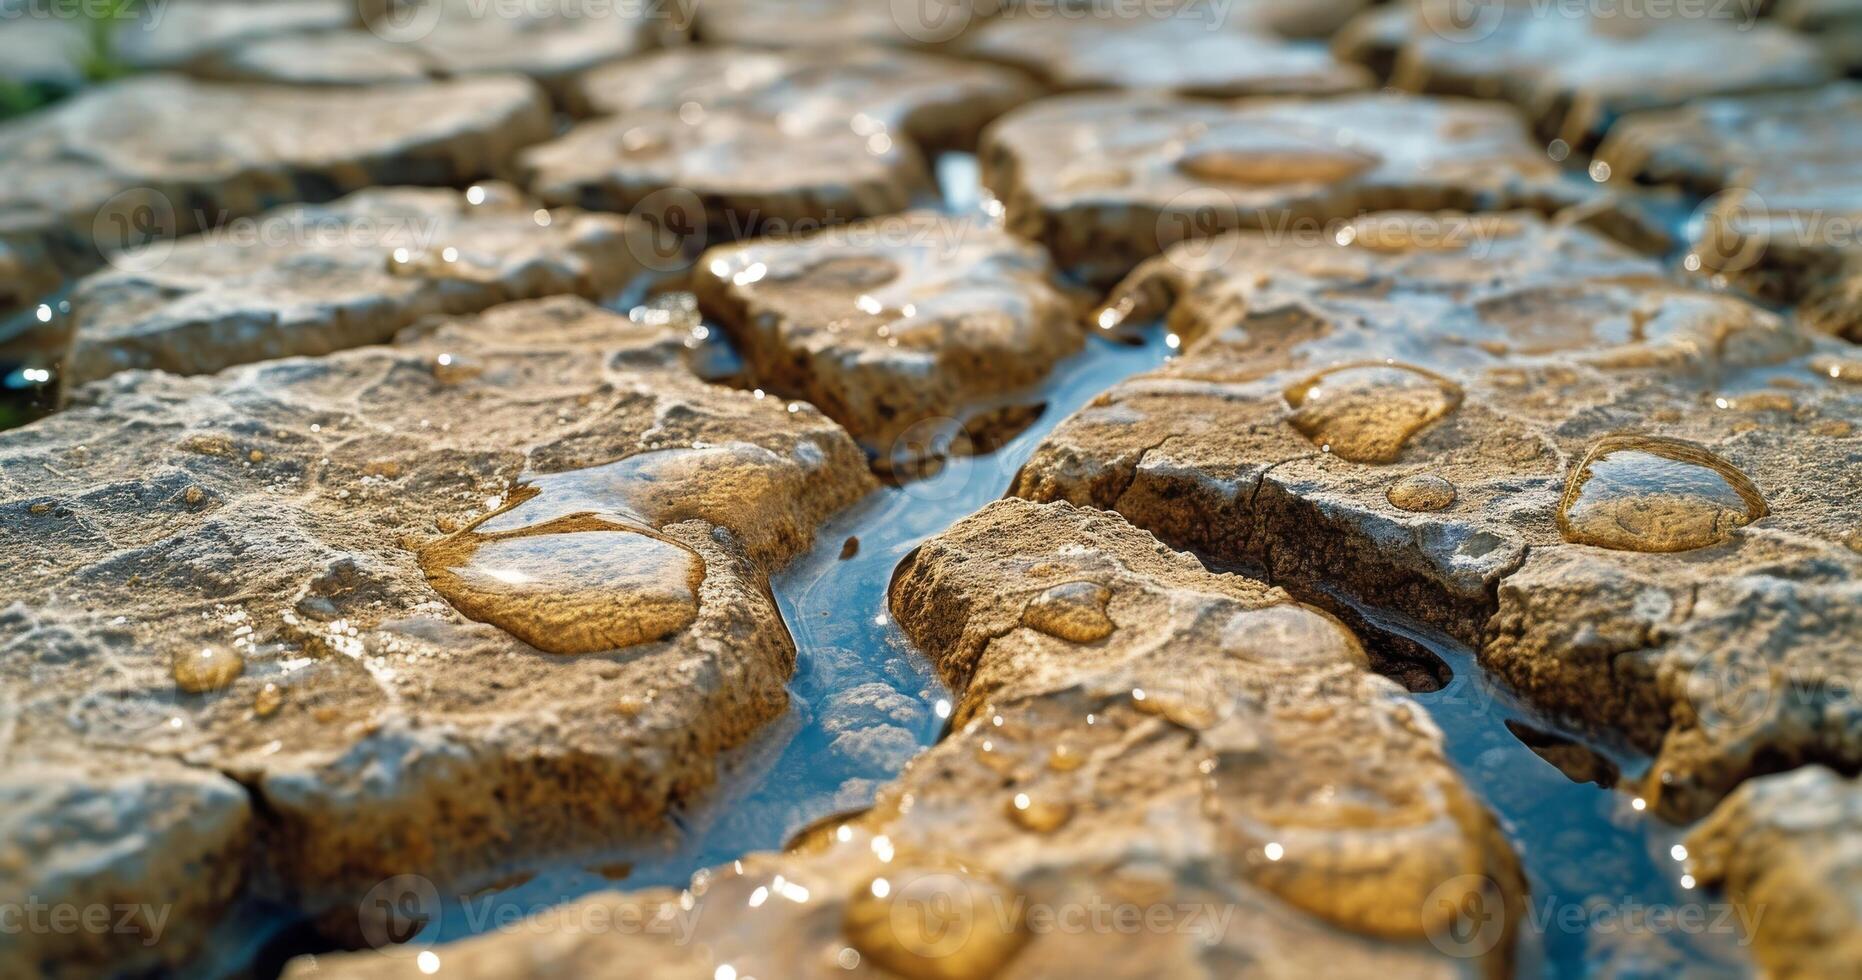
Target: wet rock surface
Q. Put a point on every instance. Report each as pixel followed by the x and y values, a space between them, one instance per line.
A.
pixel 1572 71
pixel 1191 765
pixel 1107 181
pixel 905 330
pixel 1182 54
pixel 314 279
pixel 302 584
pixel 163 156
pixel 1784 847
pixel 1644 531
pixel 1783 187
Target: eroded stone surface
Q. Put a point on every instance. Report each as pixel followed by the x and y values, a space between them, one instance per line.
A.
pixel 170 156
pixel 314 279
pixel 1574 71
pixel 280 517
pixel 1724 659
pixel 890 327
pixel 1180 54
pixel 1223 748
pixel 1783 848
pixel 1106 181
pixel 1784 186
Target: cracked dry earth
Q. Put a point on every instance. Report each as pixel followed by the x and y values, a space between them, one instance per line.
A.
pixel 733 495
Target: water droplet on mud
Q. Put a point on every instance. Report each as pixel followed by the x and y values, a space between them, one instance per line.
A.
pixel 198 671
pixel 581 585
pixel 1366 413
pixel 1291 633
pixel 267 702
pixel 1043 816
pixel 1421 492
pixel 935 923
pixel 733 485
pixel 1267 165
pixel 1072 611
pixel 1064 759
pixel 1642 493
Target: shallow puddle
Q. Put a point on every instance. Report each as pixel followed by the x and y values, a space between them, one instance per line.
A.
pixel 1610 896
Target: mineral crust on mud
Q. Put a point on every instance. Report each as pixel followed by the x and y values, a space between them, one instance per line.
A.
pixel 1180 54
pixel 1106 181
pixel 1647 522
pixel 1573 71
pixel 1782 175
pixel 315 279
pixel 1131 730
pixel 903 331
pixel 1783 848
pixel 156 156
pixel 493 594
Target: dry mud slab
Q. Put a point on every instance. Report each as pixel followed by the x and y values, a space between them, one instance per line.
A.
pixel 311 279
pixel 686 136
pixel 492 594
pixel 900 329
pixel 1573 73
pixel 451 39
pixel 1784 847
pixel 157 156
pixel 1131 731
pixel 1186 55
pixel 1634 499
pixel 1783 178
pixel 1106 181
